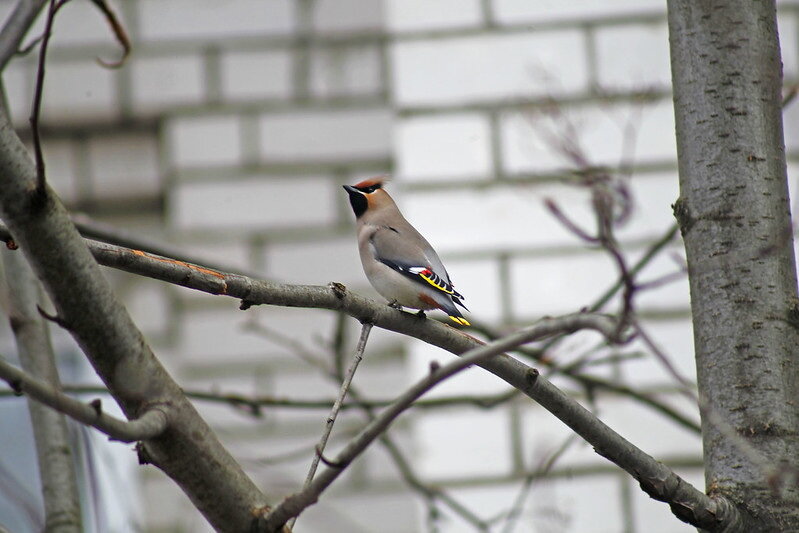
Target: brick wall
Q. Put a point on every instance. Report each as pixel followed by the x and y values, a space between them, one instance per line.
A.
pixel 229 133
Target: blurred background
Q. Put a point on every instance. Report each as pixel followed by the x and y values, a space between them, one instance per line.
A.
pixel 227 135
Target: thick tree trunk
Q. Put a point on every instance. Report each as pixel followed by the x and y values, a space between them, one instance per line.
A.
pixel 735 219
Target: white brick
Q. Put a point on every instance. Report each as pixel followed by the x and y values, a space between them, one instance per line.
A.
pixel 572 504
pixel 543 434
pixel 82 23
pixel 212 336
pixel 421 15
pixel 167 506
pixel 488 68
pixel 211 19
pixel 646 69
pixel 790 123
pixel 789 37
pixel 575 504
pixel 443 146
pixel 326 135
pixel 316 262
pixel 347 16
pixel 648 429
pixel 421 355
pixel 234 254
pixel 223 417
pixel 675 294
pixel 253 203
pixel 533 142
pixel 485 500
pixel 559 284
pixel 652 197
pixel 528 143
pixel 524 11
pixel 482 437
pixel 346 70
pixel 78 92
pixel 124 165
pixel 496 218
pixel 365 511
pixel 478 281
pixel 148 304
pixel 163 82
pixel 304 385
pixel 256 75
pixel 205 141
pixel 18 79
pixel 675 338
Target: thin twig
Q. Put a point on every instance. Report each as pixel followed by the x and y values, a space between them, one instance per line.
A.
pixel 512 517
pixel 119 33
pixel 331 418
pixel 37 95
pixel 294 504
pixel 696 507
pixel 430 494
pixel 149 425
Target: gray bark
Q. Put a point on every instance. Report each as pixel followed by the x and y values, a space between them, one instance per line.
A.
pixel 734 214
pixel 188 452
pixel 689 504
pixel 56 464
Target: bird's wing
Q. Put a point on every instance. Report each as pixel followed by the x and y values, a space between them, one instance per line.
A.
pixel 410 260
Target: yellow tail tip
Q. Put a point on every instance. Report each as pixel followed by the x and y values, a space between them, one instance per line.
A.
pixel 459 320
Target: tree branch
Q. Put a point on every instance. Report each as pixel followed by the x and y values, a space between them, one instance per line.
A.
pixel 53 450
pixel 294 504
pixel 85 303
pixel 658 481
pixel 16 27
pixel 331 418
pixel 254 404
pixel 152 423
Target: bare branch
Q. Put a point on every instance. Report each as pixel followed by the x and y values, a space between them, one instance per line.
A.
pixel 103 328
pixel 331 418
pixel 150 424
pixel 37 95
pixel 15 28
pixel 53 450
pixel 100 231
pixel 659 482
pixel 293 505
pixel 119 33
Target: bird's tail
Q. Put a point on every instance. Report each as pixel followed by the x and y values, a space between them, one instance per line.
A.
pixel 454 313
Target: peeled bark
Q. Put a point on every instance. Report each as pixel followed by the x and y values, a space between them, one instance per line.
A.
pixel 734 215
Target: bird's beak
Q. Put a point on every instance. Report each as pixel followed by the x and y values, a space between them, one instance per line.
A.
pixel 351 190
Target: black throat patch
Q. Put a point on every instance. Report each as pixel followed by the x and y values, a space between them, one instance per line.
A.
pixel 358 202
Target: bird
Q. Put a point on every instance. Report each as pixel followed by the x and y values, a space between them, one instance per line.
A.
pixel 398 262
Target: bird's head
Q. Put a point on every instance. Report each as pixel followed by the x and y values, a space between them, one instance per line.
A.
pixel 368 195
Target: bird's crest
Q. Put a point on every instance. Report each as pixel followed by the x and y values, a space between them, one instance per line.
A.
pixel 371 184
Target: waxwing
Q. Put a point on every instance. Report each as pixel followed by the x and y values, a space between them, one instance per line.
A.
pixel 399 263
